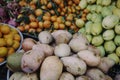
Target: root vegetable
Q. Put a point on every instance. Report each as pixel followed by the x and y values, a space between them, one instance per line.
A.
pixel 89 57
pixel 78 43
pixel 83 78
pixel 16 76
pixel 28 43
pixel 46 49
pixel 61 36
pixel 14 62
pixel 66 76
pixel 45 37
pixel 31 60
pixel 95 74
pixel 32 76
pixel 51 68
pixel 74 65
pixel 62 50
pixel 105 64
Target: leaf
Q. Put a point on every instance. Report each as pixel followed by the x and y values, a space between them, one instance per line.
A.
pixel 39 18
pixel 38 4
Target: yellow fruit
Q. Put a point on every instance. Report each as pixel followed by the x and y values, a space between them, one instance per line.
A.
pixel 10 35
pixel 3 51
pixel 5 29
pixel 2 42
pixel 0 34
pixel 9 42
pixel 16 44
pixel 17 37
pixel 14 31
pixel 11 50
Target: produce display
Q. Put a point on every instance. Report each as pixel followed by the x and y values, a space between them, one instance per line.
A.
pixel 63 39
pixel 10 41
pixel 60 59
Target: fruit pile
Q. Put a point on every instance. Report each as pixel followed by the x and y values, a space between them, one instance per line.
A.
pixel 51 15
pixel 9 41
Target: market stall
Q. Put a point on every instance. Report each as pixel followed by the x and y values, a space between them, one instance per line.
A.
pixel 59 39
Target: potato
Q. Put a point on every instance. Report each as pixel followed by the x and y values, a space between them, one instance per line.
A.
pixel 45 37
pixel 14 61
pixel 46 49
pixel 16 76
pixel 83 78
pixel 51 68
pixel 66 76
pixel 31 60
pixel 107 78
pixel 62 50
pixel 74 65
pixel 95 74
pixel 89 57
pixel 105 64
pixel 61 36
pixel 78 43
pixel 32 76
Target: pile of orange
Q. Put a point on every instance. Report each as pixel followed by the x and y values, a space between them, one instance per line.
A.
pixel 9 41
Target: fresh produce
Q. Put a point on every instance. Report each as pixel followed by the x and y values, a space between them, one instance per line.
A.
pixel 78 69
pixel 14 61
pixel 31 60
pixel 61 36
pixel 10 40
pixel 91 58
pixel 81 46
pixel 46 49
pixel 28 43
pixel 62 50
pixel 117 29
pixel 32 76
pixel 118 4
pixel 45 37
pixel 66 76
pixel 118 51
pixel 83 78
pixel 96 74
pixel 60 61
pixel 80 23
pixel 16 76
pixel 51 68
pixel 117 40
pixel 105 64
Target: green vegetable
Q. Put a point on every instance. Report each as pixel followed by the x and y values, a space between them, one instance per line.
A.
pixel 109 46
pixel 83 4
pixel 106 2
pixel 96 29
pixel 88 26
pixel 118 4
pixel 89 16
pixel 118 51
pixel 102 51
pixel 82 30
pixel 117 29
pixel 97 40
pixel 106 11
pixel 80 23
pixel 114 57
pixel 89 37
pixel 110 21
pixel 108 34
pixel 116 11
pixel 98 2
pixel 93 8
pixel 96 17
pixel 117 40
pixel 91 1
pixel 99 9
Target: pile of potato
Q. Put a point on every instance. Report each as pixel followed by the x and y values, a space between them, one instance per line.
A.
pixel 59 56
